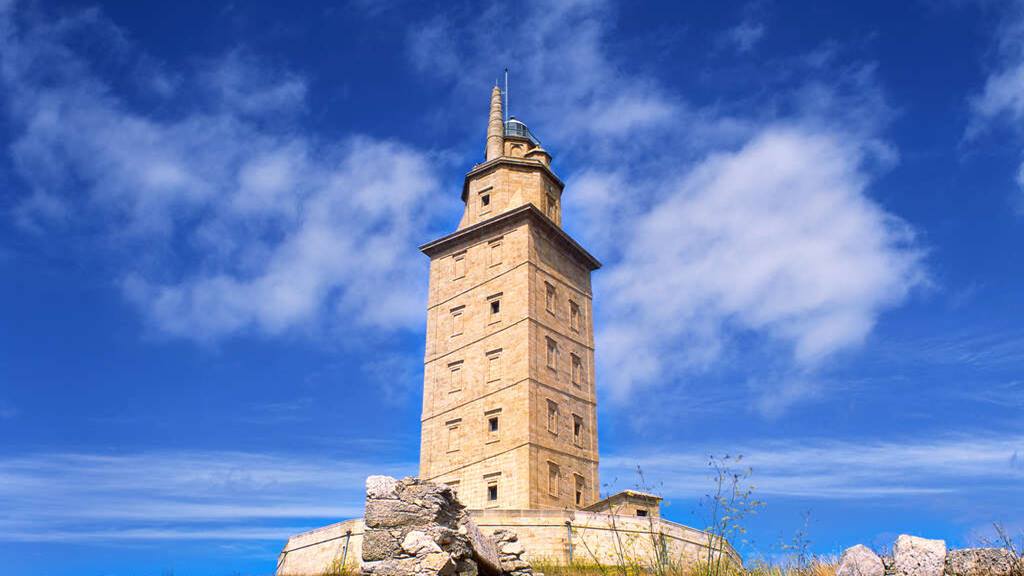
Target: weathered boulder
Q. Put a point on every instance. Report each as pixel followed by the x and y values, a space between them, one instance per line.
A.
pixel 913 556
pixel 982 562
pixel 417 528
pixel 860 560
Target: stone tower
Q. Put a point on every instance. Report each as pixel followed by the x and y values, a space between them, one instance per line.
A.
pixel 509 416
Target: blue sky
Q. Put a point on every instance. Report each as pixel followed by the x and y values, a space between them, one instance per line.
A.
pixel 212 308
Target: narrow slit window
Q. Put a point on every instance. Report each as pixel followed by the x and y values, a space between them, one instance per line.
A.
pixel 457 320
pixel 494 366
pixel 554 478
pixel 577 371
pixel 453 435
pixel 549 297
pixel 485 201
pixel 574 316
pixel 493 424
pixel 577 430
pixel 494 252
pixel 552 358
pixel 552 417
pixel 580 488
pixel 455 376
pixel 459 266
pixel 494 308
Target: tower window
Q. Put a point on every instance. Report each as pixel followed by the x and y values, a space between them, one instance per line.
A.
pixel 549 297
pixel 459 266
pixel 577 371
pixel 641 513
pixel 580 486
pixel 552 417
pixel 493 418
pixel 453 435
pixel 494 252
pixel 494 305
pixel 552 354
pixel 554 478
pixel 457 320
pixel 552 207
pixel 492 492
pixel 455 376
pixel 574 316
pixel 485 201
pixel 494 365
pixel 577 430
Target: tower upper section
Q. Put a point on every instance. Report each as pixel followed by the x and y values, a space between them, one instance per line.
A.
pixel 516 171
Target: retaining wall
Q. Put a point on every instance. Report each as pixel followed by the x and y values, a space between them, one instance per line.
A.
pixel 556 536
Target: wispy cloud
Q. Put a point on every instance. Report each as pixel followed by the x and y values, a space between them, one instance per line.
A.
pixel 745 35
pixel 226 217
pixel 848 470
pixel 734 224
pixel 1003 93
pixel 178 495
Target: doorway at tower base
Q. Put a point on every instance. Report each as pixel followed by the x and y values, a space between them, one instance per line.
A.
pixel 548 536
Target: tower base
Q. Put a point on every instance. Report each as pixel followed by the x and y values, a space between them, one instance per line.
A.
pixel 549 537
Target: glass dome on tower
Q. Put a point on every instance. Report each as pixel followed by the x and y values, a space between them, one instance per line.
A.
pixel 516 128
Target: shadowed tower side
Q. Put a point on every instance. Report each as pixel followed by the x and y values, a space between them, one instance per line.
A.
pixel 509 413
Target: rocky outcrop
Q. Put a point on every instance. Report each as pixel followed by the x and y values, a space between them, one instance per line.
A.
pixel 511 553
pixel 860 560
pixel 913 556
pixel 417 528
pixel 982 562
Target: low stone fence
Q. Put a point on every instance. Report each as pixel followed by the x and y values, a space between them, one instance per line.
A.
pixel 576 536
pixel 313 552
pixel 555 536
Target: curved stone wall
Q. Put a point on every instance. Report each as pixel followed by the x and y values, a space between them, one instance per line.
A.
pixel 556 536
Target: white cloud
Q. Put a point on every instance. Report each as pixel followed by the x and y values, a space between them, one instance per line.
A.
pixel 1003 93
pixel 843 470
pixel 711 224
pixel 178 495
pixel 228 219
pixel 778 238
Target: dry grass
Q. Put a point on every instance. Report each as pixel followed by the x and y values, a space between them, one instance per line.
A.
pixel 816 567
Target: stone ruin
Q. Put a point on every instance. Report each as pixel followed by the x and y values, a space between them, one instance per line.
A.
pixel 419 528
pixel 913 556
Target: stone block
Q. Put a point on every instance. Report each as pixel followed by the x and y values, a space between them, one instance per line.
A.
pixel 860 560
pixel 913 556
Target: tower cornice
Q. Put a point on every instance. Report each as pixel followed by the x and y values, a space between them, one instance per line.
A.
pixel 526 211
pixel 490 165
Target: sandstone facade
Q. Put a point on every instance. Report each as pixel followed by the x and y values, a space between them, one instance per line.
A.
pixel 509 419
pixel 509 405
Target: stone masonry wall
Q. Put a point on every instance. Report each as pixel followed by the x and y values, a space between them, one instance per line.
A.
pixel 543 534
